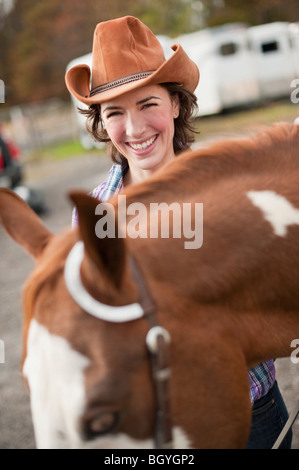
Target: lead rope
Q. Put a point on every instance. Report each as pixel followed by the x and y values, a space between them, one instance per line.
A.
pixel 287 426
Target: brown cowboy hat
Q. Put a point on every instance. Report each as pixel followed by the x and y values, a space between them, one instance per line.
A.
pixel 127 55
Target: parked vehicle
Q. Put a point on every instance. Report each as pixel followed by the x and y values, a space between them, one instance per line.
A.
pixel 274 54
pixel 11 176
pixel 294 37
pixel 227 74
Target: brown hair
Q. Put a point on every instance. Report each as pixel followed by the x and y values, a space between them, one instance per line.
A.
pixel 184 130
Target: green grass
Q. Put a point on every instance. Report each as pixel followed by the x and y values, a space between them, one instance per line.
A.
pixel 63 150
pixel 60 151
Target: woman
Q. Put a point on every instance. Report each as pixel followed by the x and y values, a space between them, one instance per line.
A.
pixel 142 106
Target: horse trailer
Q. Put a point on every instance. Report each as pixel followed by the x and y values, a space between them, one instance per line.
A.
pixel 227 74
pixel 274 50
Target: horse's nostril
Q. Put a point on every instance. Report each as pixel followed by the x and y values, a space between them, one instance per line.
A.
pixel 100 423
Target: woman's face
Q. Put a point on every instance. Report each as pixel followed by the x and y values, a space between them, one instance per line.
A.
pixel 140 124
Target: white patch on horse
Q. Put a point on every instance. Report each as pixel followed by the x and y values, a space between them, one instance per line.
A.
pixel 277 210
pixel 55 373
pixel 123 441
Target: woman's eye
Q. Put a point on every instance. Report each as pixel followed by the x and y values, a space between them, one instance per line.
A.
pixel 115 113
pixel 149 105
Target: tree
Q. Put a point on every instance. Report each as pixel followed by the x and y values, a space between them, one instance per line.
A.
pixel 255 12
pixel 42 37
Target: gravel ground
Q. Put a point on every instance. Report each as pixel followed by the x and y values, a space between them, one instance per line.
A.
pixel 54 180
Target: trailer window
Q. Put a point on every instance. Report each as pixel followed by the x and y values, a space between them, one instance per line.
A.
pixel 229 48
pixel 270 47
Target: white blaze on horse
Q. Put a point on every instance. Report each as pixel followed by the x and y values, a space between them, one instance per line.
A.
pixel 137 342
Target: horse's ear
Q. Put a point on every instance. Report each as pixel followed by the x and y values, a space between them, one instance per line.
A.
pixel 22 224
pixel 107 253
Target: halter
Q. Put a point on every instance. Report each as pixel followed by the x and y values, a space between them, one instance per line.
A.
pixel 157 339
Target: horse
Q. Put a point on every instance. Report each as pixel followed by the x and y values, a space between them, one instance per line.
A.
pixel 133 341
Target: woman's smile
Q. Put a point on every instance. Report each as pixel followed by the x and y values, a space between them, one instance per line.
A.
pixel 144 145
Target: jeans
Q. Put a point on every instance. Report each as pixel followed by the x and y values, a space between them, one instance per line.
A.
pixel 269 415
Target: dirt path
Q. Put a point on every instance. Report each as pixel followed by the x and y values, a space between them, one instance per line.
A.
pixel 15 421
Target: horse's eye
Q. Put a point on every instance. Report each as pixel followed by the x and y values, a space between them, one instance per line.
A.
pixel 100 423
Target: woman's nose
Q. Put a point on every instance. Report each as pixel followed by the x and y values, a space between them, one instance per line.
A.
pixel 135 126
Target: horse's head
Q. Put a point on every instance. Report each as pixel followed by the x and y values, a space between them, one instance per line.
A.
pixel 88 377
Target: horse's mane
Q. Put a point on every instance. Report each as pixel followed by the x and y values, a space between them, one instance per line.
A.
pixel 272 148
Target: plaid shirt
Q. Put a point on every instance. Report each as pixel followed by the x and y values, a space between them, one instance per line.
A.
pixel 112 185
pixel 262 377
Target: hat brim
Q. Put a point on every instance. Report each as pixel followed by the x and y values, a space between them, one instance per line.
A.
pixel 179 68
